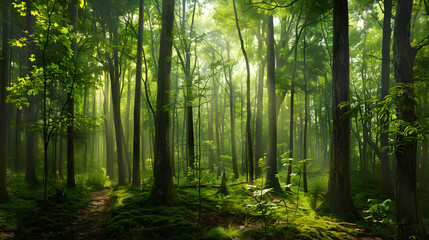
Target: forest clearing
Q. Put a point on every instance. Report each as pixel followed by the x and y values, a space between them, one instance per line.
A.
pixel 214 119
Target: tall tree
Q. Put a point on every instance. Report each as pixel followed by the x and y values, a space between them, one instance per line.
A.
pixel 3 107
pixel 386 183
pixel 30 169
pixel 248 131
pixel 163 187
pixel 271 166
pixel 70 107
pixel 137 100
pixel 339 198
pixel 260 103
pixel 407 210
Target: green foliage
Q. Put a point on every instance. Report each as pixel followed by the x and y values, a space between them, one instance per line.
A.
pixel 378 212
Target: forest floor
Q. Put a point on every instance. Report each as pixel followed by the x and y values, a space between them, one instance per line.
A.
pixel 90 220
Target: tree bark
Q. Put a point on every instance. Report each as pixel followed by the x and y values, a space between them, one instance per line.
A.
pixel 271 165
pixel 304 164
pixel 407 210
pixel 137 100
pixel 163 189
pixel 386 187
pixel 339 198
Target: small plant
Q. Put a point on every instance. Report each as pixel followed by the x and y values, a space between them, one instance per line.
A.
pixel 378 212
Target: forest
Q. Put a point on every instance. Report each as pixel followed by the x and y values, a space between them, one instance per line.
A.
pixel 214 119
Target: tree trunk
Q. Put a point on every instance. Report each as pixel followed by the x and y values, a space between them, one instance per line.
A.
pixel 60 152
pixel 163 189
pixel 18 139
pixel 304 164
pixel 108 126
pixel 272 180
pixel 116 101
pixel 407 210
pixel 339 198
pixel 3 112
pixel 248 121
pixel 259 108
pixel 70 108
pixel 137 100
pixel 84 130
pixel 386 187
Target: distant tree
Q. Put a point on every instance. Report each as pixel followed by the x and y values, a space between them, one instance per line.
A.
pixel 163 188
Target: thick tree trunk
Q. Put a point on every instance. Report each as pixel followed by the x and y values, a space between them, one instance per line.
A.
pixel 3 107
pixel 137 100
pixel 339 198
pixel 386 187
pixel 407 210
pixel 163 188
pixel 271 165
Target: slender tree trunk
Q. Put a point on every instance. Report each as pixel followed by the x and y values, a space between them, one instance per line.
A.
pixel 339 198
pixel 304 164
pixel 271 165
pixel 18 139
pixel 163 189
pixel 259 107
pixel 386 187
pixel 85 141
pixel 70 109
pixel 108 129
pixel 137 100
pixel 407 210
pixel 248 121
pixel 60 152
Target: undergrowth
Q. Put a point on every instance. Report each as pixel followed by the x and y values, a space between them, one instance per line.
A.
pixel 28 216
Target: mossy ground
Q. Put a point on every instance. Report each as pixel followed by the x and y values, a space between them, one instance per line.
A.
pixel 134 216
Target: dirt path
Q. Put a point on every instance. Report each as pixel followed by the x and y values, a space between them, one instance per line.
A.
pixel 90 220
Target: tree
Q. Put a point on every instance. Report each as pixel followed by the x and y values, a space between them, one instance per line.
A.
pixel 407 210
pixel 137 100
pixel 386 183
pixel 248 131
pixel 3 107
pixel 70 108
pixel 272 180
pixel 339 198
pixel 163 187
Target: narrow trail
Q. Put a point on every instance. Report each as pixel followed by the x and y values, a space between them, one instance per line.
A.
pixel 90 220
